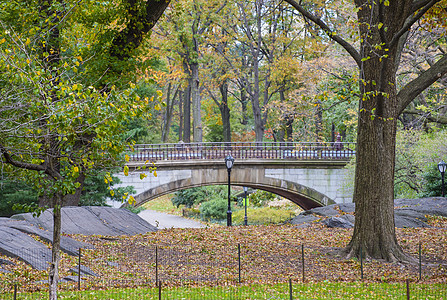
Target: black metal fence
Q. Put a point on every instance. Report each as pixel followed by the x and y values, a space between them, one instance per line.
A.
pixel 247 150
pixel 145 271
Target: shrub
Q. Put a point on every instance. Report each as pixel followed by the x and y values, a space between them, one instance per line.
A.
pixel 215 209
pixel 432 182
pixel 261 198
pixel 197 195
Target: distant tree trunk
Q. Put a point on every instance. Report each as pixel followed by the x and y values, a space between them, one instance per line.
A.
pixel 180 112
pixel 170 100
pixel 187 114
pixel 196 103
pixel 225 112
pixel 244 102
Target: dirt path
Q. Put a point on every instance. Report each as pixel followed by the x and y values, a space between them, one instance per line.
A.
pixel 163 220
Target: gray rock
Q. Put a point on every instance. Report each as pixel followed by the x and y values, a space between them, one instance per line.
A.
pixel 408 222
pixel 303 219
pixel 68 245
pixel 6 262
pixel 410 213
pixel 17 244
pixel 334 222
pixel 84 271
pixel 348 217
pixel 89 220
pixel 325 211
pixel 347 207
pixel 112 264
pixel 4 271
pixel 69 279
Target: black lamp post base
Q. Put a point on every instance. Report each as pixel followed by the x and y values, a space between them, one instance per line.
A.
pixel 229 218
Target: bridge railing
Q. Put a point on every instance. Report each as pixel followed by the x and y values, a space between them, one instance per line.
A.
pixel 243 150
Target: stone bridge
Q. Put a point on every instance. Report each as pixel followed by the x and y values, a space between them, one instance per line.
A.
pixel 308 174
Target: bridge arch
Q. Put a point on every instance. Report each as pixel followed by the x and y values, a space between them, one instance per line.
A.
pixel 301 195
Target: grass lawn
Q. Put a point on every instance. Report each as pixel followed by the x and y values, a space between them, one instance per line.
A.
pixel 321 290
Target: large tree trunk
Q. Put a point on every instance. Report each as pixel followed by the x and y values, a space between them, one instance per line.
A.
pixel 374 231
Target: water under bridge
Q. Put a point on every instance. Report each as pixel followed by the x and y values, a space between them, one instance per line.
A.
pixel 309 174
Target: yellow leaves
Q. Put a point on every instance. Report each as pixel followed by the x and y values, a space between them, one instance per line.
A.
pixel 132 200
pixel 126 158
pixel 2 41
pixel 27 42
pixel 112 193
pixel 142 176
pixel 126 170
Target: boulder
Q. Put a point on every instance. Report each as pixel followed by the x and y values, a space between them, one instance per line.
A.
pixel 348 217
pixel 347 207
pixel 16 244
pixel 89 220
pixel 325 211
pixel 68 245
pixel 334 222
pixel 84 271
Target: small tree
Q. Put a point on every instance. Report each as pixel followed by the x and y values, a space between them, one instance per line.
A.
pixel 52 128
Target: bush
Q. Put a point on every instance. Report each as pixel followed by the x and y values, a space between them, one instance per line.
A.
pixel 432 186
pixel 215 209
pixel 261 198
pixel 197 195
pixel 15 193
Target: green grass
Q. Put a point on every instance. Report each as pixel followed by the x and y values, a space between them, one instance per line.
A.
pixel 321 290
pixel 163 204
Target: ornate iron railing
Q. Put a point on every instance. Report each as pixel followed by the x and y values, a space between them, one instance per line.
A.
pixel 243 150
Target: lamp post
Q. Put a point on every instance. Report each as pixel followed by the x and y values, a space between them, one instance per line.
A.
pixel 229 161
pixel 441 167
pixel 245 195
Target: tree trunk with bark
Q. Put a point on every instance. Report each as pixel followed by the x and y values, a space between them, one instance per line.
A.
pixel 383 28
pixel 225 112
pixel 196 103
pixel 187 114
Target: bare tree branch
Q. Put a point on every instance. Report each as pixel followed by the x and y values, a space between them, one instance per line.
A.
pixel 347 46
pixel 418 85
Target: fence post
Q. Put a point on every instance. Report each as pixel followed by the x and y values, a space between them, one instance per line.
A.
pixel 302 259
pixel 420 261
pixel 156 265
pixel 159 290
pixel 79 269
pixel 408 289
pixel 290 289
pixel 15 291
pixel 239 260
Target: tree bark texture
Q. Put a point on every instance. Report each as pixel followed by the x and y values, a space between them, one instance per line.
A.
pixel 374 231
pixel 187 114
pixel 225 112
pixel 196 103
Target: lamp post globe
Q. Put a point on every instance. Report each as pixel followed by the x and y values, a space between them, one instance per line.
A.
pixel 229 161
pixel 442 166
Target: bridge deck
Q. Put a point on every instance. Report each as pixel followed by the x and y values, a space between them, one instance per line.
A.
pixel 265 150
